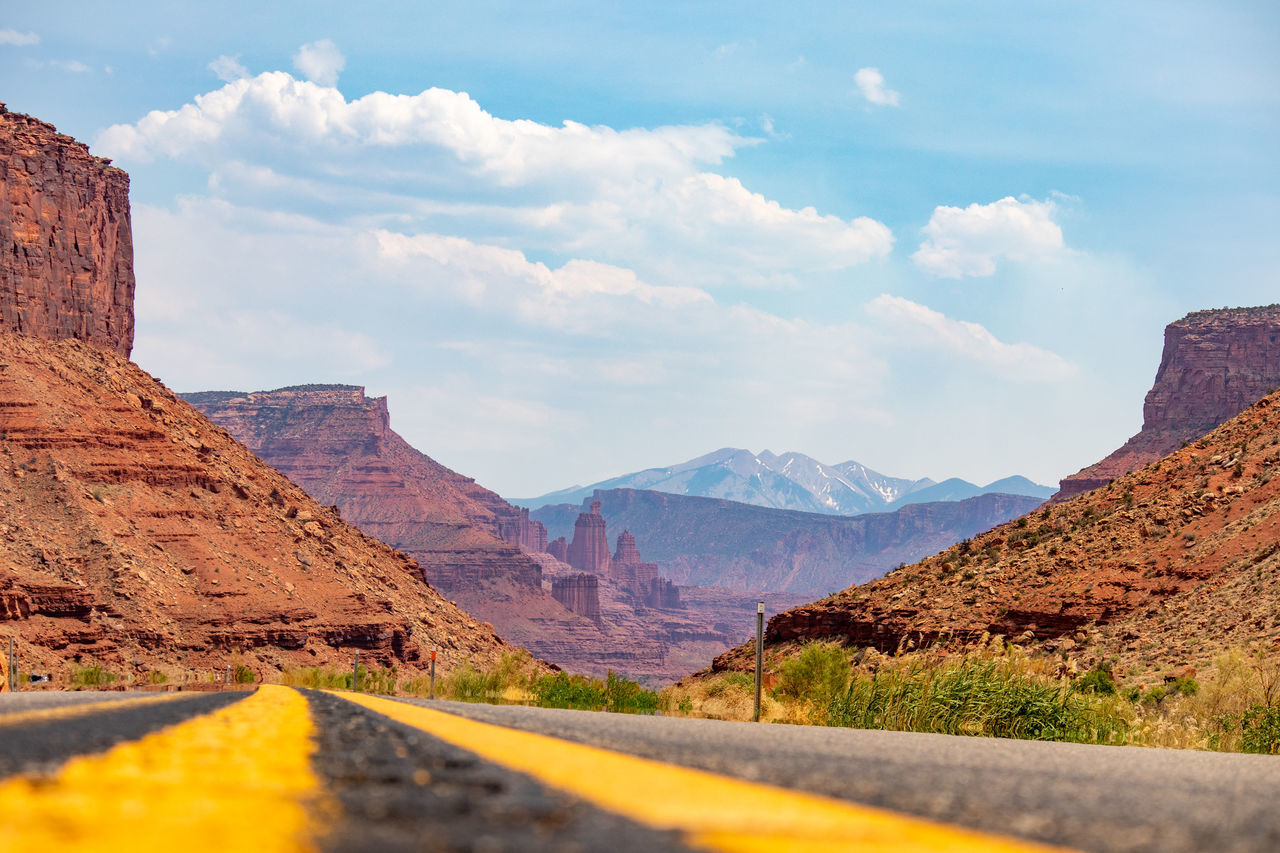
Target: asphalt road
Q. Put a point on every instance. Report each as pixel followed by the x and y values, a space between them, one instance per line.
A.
pixel 425 783
pixel 1102 798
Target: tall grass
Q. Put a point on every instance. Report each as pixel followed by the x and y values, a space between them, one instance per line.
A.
pixel 990 698
pixel 1002 691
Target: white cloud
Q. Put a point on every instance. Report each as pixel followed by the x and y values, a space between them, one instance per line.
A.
pixel 870 83
pixel 228 68
pixel 18 39
pixel 640 198
pixel 919 325
pixel 969 241
pixel 71 65
pixel 320 62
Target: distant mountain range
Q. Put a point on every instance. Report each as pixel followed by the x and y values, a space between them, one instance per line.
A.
pixel 791 481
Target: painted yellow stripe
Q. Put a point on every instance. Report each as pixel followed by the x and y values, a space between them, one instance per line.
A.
pixel 238 778
pixel 64 712
pixel 714 812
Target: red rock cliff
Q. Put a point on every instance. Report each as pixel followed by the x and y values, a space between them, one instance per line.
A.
pixel 66 262
pixel 338 445
pixel 1215 365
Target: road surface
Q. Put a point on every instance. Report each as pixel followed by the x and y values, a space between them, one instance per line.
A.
pixel 281 769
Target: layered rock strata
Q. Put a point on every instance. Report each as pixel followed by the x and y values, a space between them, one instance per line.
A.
pixel 338 444
pixel 66 255
pixel 137 535
pixel 1215 365
pixel 579 593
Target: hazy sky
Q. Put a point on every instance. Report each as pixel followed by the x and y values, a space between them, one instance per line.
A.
pixel 572 240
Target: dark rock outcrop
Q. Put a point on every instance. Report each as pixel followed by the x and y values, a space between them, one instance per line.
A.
pixel 66 254
pixel 1215 365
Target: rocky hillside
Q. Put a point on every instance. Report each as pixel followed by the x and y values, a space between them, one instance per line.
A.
pixel 136 534
pixel 1215 364
pixel 1165 567
pixel 66 264
pixel 709 542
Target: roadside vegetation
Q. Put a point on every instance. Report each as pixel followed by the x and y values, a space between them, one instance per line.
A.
pixel 515 679
pixel 999 690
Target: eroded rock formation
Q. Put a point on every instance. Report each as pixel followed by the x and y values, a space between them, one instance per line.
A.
pixel 1215 365
pixel 589 550
pixel 66 256
pixel 579 593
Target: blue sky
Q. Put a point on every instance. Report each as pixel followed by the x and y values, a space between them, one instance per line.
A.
pixel 574 240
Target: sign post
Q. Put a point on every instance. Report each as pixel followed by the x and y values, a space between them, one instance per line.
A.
pixel 759 654
pixel 355 673
pixel 432 693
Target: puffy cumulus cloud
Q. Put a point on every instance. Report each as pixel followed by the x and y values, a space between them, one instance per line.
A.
pixel 918 325
pixel 870 83
pixel 969 241
pixel 13 37
pixel 583 297
pixel 522 352
pixel 228 68
pixel 320 62
pixel 643 198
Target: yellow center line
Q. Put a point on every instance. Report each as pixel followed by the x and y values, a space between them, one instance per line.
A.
pixel 63 712
pixel 711 811
pixel 238 778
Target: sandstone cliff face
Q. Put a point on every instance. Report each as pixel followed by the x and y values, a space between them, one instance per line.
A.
pixel 135 533
pixel 338 445
pixel 1165 567
pixel 1215 365
pixel 579 593
pixel 66 258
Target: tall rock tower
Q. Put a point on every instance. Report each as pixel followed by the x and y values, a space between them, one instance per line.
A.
pixel 589 550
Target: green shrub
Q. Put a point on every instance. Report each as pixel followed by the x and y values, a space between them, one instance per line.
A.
pixel 242 674
pixel 1097 680
pixel 90 676
pixel 624 696
pixel 818 674
pixel 1260 727
pixel 563 690
pixel 466 684
pixel 155 676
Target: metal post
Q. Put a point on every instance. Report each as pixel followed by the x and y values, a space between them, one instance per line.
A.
pixel 13 669
pixel 433 675
pixel 228 675
pixel 355 674
pixel 759 654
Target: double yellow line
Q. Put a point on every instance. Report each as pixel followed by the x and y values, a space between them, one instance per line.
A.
pixel 240 778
